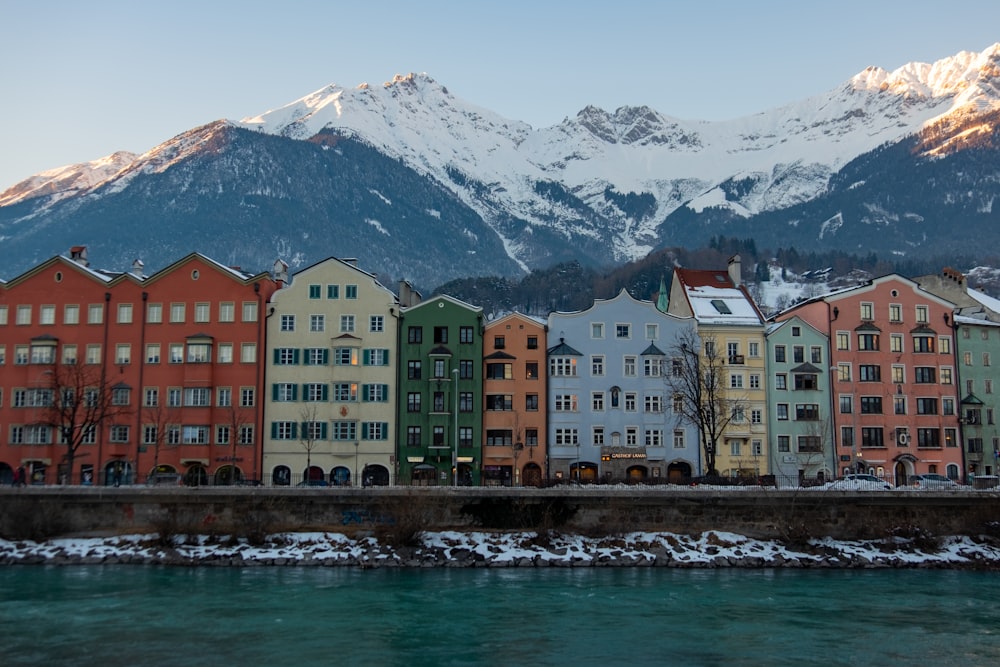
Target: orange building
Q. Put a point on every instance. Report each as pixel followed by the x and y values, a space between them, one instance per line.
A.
pixel 514 386
pixel 111 377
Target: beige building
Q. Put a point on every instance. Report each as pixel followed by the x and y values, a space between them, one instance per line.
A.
pixel 731 330
pixel 330 410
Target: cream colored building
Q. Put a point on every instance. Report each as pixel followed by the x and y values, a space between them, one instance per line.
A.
pixel 728 318
pixel 330 379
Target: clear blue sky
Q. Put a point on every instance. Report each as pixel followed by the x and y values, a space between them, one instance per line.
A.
pixel 80 80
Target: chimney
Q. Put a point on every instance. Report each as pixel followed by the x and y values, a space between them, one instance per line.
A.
pixel 954 276
pixel 78 254
pixel 137 267
pixel 407 295
pixel 280 271
pixel 735 270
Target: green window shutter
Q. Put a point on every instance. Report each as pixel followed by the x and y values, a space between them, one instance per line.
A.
pixel 366 358
pixel 277 356
pixel 295 430
pixel 274 430
pixel 322 430
pixel 385 393
pixel 295 356
pixel 274 393
pixel 295 392
pixel 364 430
pixel 325 394
pixel 385 357
pixel 385 431
pixel 326 356
pixel 365 395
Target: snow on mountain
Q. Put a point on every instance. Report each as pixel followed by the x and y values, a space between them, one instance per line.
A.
pixel 572 177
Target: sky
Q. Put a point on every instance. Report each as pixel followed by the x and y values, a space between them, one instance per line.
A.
pixel 81 80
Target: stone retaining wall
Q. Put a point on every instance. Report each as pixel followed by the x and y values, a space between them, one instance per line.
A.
pixel 44 512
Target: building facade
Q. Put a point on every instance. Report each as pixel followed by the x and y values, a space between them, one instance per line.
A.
pixel 610 417
pixel 514 386
pixel 168 367
pixel 440 393
pixel 894 382
pixel 330 399
pixel 800 438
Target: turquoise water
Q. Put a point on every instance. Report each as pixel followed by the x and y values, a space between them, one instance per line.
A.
pixel 133 615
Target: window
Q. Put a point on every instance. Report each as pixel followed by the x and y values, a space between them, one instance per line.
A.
pixel 23 316
pixel 413 401
pixel 531 402
pixel 246 434
pixel 315 291
pixel 466 369
pixel 843 340
pixel 631 436
pixel 317 356
pixel 629 368
pixel 177 312
pixel 499 437
pixel 350 291
pixel 754 349
pixel 93 354
pixel 781 381
pixel 95 313
pixel 924 374
pixel 597 330
pixel 466 335
pixel 413 436
pixel 652 331
pixel 439 368
pixel 224 397
pixel 375 393
pixel 597 401
pixel 42 354
pixel 922 315
pixel 345 356
pixel 816 354
pixel 247 397
pixel 779 353
pixel 927 406
pixel 868 342
pixel 867 310
pixel 441 335
pixel 151 397
pixel 532 342
pixel 201 312
pixel 798 354
pixel 284 430
pixel 928 437
pixel 653 403
pixel 562 367
pixel 249 311
pixel 597 364
pixel 199 353
pixel 71 314
pixel 47 315
pixel 844 372
pixel 944 345
pixel 807 412
pixel 754 381
pixel 415 335
pixel 317 323
pixel 895 312
pixel 678 439
pixel 174 397
pixel 630 401
pixel 899 405
pixel 176 353
pixel 871 405
pixel 286 356
pixel 225 353
pixel 623 331
pixel 248 353
pixel 846 404
pixel 466 401
pixel 123 354
pixel 284 391
pixel 333 291
pixel 375 357
pixel 567 436
pixel 565 403
pixel 413 369
pixel 896 343
pixel 923 344
pixel 376 323
pixel 872 436
pixel 197 397
pixel 806 381
pixel 782 411
pixel 869 373
pixel 898 374
pixel 344 392
pixel 347 324
pixel 504 371
pixel 119 433
pixel 651 366
pixel 986 358
pixel 734 447
pixel 947 406
pixel 735 381
pixel 505 402
pixel 531 437
pixel 810 444
pixel 531 370
pixel 784 443
pixel 227 311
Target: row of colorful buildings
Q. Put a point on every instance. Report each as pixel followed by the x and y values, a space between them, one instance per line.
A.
pixel 206 374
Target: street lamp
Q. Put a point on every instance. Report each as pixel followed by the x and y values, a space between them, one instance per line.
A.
pixel 454 454
pixel 356 445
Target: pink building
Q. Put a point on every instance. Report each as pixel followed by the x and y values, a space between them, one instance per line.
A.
pixel 894 383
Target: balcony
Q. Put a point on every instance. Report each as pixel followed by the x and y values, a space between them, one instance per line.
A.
pixel 736 360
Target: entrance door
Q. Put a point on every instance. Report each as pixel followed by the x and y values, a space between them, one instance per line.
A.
pixel 900 471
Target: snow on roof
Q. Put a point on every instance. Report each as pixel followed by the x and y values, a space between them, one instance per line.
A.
pixel 985 299
pixel 721 305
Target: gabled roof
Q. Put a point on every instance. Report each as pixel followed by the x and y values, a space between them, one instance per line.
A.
pixel 806 368
pixel 499 354
pixel 715 299
pixel 444 297
pixel 563 350
pixel 652 351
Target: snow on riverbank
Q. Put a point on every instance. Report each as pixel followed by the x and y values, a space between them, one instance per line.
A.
pixel 527 549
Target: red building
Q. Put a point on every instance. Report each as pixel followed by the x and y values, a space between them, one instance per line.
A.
pixel 894 383
pixel 111 377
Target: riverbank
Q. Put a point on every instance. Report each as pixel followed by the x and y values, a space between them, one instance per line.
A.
pixel 710 549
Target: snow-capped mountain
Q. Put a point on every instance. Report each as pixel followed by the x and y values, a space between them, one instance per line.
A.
pixel 368 171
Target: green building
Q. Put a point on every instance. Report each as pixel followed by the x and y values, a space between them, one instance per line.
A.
pixel 440 393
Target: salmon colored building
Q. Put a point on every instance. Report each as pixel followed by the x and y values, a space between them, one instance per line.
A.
pixel 514 414
pixel 894 383
pixel 144 375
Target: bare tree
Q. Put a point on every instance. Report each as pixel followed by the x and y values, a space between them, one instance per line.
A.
pixel 309 433
pixel 78 401
pixel 157 420
pixel 696 378
pixel 237 418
